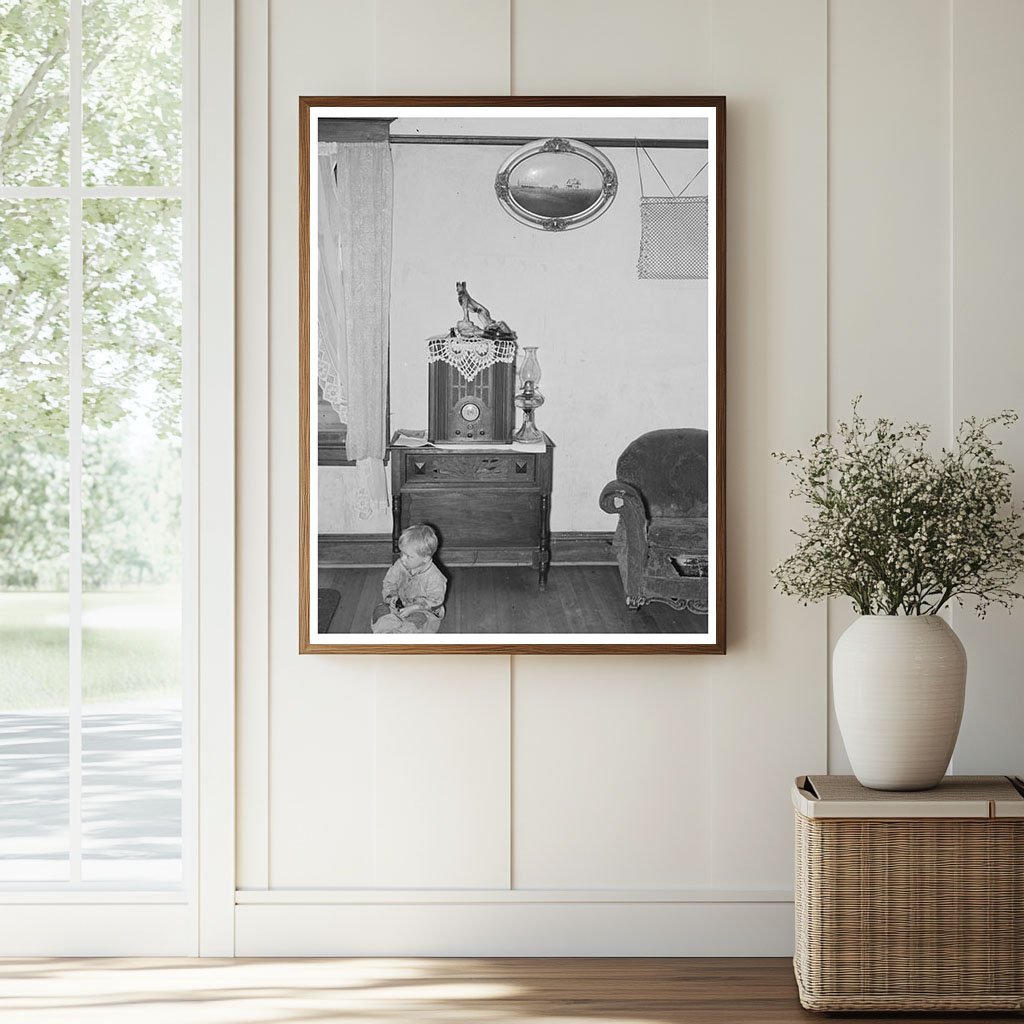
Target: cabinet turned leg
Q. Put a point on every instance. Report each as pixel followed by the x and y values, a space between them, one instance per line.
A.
pixel 396 522
pixel 544 563
pixel 544 553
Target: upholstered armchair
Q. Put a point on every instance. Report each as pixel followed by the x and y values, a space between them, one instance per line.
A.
pixel 660 495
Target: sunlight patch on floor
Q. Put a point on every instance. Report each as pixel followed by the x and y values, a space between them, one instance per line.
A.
pixel 219 991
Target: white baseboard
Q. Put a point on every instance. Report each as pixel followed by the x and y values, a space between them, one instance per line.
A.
pixel 515 928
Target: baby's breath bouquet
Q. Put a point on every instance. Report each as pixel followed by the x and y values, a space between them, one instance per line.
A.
pixel 900 530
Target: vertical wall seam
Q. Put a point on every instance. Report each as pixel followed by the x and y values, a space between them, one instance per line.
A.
pixel 711 779
pixel 828 340
pixel 266 737
pixel 510 711
pixel 950 357
pixel 950 153
pixel 510 687
pixel 375 803
pixel 376 36
pixel 711 47
pixel 375 781
pixel 511 49
pixel 710 675
pixel 253 580
pixel 711 775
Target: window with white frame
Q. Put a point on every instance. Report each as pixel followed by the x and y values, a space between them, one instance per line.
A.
pixel 95 475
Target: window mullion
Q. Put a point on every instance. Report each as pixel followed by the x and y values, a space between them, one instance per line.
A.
pixel 34 192
pixel 94 191
pixel 75 336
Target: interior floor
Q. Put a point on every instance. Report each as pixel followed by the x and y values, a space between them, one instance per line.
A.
pixel 383 990
pixel 507 599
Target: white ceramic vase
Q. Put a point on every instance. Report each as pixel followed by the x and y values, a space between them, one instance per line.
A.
pixel 898 685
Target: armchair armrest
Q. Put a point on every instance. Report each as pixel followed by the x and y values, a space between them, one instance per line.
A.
pixel 620 498
pixel 623 499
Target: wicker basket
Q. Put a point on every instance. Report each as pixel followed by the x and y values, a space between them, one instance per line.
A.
pixel 910 901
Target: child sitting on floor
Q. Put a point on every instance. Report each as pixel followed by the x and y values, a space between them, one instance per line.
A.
pixel 414 587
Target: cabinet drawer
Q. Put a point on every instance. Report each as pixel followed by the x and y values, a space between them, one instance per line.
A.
pixel 474 517
pixel 506 468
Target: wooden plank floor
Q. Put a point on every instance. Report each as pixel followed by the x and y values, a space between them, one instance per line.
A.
pixel 506 599
pixel 415 991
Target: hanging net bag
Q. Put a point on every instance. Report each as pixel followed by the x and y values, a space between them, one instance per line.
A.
pixel 673 231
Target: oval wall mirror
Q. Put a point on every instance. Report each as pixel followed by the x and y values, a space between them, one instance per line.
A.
pixel 556 184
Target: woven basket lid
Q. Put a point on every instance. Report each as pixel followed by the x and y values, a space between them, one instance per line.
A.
pixel 957 796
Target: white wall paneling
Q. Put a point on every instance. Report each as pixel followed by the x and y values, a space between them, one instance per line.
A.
pixel 609 774
pixel 578 47
pixel 322 771
pixel 889 267
pixel 330 718
pixel 315 705
pixel 612 774
pixel 768 693
pixel 629 805
pixel 253 461
pixel 441 48
pixel 923 272
pixel 888 178
pixel 442 771
pixel 986 369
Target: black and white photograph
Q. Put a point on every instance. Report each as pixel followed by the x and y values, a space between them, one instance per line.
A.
pixel 512 375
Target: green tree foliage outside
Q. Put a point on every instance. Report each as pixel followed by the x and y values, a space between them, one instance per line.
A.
pixel 131 92
pixel 131 370
pixel 131 363
pixel 34 82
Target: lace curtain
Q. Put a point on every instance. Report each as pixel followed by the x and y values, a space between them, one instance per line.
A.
pixel 353 300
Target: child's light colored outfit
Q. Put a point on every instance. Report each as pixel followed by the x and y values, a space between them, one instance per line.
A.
pixel 421 592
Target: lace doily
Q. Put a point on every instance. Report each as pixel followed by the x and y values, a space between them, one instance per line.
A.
pixel 470 355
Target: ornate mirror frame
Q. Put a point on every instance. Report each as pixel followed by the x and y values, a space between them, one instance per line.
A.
pixel 539 153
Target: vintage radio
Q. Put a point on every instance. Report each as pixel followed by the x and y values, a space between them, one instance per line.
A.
pixel 471 389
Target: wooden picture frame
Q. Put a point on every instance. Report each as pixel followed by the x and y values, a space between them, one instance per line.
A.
pixel 605 536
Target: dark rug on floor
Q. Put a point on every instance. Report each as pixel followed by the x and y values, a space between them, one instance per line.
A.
pixel 327 602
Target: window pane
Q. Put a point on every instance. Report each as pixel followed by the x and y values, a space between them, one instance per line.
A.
pixel 131 541
pixel 131 92
pixel 33 92
pixel 33 540
pixel 131 739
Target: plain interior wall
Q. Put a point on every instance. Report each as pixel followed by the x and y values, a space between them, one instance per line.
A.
pixel 545 804
pixel 619 355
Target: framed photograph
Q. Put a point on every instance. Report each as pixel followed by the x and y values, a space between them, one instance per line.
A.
pixel 512 375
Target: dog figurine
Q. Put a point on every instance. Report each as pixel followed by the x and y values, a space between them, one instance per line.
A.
pixel 488 326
